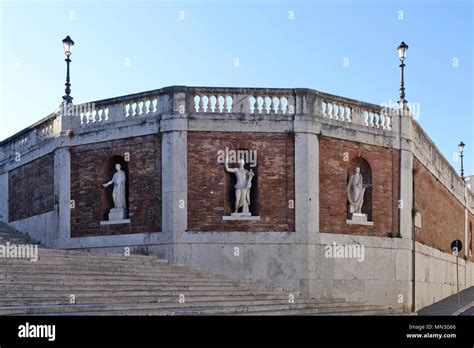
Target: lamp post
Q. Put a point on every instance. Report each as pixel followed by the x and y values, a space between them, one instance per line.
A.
pixel 402 53
pixel 461 154
pixel 68 43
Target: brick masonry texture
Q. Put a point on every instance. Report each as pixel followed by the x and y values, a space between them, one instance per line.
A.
pixel 211 188
pixel 31 188
pixel 338 159
pixel 442 215
pixel 93 165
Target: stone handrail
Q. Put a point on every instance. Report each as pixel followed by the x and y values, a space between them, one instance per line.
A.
pixel 427 152
pixel 196 101
pixel 353 111
pixel 200 100
pixel 44 129
pixel 240 100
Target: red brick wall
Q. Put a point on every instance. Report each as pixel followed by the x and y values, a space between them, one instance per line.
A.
pixel 31 188
pixel 144 183
pixel 337 159
pixel 210 187
pixel 442 215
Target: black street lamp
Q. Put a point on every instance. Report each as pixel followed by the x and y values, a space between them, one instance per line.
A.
pixel 402 53
pixel 68 43
pixel 461 154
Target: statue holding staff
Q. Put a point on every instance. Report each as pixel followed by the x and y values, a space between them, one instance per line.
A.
pixel 242 187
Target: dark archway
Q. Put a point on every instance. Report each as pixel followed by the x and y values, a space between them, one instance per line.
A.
pixel 366 173
pixel 471 246
pixel 107 172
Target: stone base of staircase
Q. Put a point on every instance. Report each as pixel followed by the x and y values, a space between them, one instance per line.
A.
pixel 63 282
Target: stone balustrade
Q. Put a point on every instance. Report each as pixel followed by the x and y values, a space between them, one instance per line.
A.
pixel 241 101
pixel 203 101
pixel 42 130
pixel 88 118
pixel 351 111
pixel 147 106
pixel 427 152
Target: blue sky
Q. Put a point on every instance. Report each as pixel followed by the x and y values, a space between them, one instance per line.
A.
pixel 126 47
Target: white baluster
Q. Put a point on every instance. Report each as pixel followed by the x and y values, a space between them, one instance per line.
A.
pixel 272 105
pixel 264 105
pixel 255 106
pixel 201 103
pixel 208 104
pixel 280 106
pixel 152 105
pixel 342 111
pixel 225 107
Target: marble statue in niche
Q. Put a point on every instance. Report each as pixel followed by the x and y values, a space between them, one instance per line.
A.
pixel 355 195
pixel 242 187
pixel 119 211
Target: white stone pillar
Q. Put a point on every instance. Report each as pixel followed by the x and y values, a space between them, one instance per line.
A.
pixel 406 176
pixel 306 183
pixel 406 203
pixel 174 174
pixel 62 193
pixel 306 193
pixel 406 194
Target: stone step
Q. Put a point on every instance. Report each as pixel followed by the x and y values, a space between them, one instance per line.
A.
pixel 53 260
pixel 24 277
pixel 87 254
pixel 75 287
pixel 72 273
pixel 80 253
pixel 65 300
pixel 87 267
pixel 12 240
pixel 237 305
pixel 207 310
pixel 12 276
pixel 12 293
pixel 71 282
pixel 349 310
pixel 83 265
pixel 76 273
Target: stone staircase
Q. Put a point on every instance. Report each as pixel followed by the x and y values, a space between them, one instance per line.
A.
pixel 64 282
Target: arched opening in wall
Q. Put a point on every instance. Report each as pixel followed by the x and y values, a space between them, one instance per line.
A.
pixel 251 164
pixel 366 173
pixel 471 246
pixel 107 172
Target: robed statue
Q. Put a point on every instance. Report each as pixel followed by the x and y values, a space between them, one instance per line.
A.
pixel 242 187
pixel 118 194
pixel 355 192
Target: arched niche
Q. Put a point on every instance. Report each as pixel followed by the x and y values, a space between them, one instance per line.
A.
pixel 107 172
pixel 230 179
pixel 366 172
pixel 471 241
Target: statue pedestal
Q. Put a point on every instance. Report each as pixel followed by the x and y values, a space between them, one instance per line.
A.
pixel 359 217
pixel 241 216
pixel 117 214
